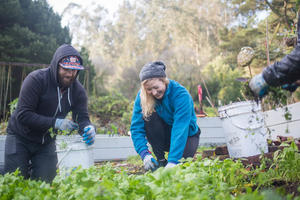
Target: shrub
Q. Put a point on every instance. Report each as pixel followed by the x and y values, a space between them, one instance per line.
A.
pixel 113 112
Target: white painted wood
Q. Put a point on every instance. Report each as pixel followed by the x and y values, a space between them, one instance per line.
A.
pixel 113 142
pixel 278 125
pixel 209 122
pixel 102 154
pixel 113 148
pixel 212 133
pixel 2 145
pixel 121 147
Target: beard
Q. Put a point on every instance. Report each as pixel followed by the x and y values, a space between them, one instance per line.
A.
pixel 65 82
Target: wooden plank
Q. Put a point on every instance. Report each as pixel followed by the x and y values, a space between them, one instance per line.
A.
pixel 287 129
pixel 1 157
pixel 113 142
pixel 115 147
pixel 2 146
pixel 275 117
pixel 205 122
pixel 212 132
pixel 113 154
pixel 212 140
pixel 278 125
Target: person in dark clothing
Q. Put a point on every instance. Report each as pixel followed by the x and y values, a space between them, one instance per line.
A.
pixel 46 97
pixel 164 116
pixel 285 73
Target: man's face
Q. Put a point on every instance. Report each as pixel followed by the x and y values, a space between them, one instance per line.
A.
pixel 66 76
pixel 156 88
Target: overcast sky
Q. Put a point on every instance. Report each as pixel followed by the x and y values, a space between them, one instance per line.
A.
pixel 60 5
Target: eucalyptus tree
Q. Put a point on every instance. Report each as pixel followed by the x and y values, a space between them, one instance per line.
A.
pixel 188 31
pixel 278 24
pixel 284 11
pixel 184 34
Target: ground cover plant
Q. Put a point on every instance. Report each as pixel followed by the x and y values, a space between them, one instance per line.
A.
pixel 201 178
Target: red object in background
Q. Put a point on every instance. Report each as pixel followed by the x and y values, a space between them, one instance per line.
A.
pixel 201 113
pixel 200 95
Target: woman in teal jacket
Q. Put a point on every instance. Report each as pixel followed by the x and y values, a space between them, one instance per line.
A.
pixel 164 116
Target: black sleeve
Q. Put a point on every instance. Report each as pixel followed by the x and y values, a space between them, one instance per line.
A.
pixel 28 102
pixel 286 70
pixel 80 111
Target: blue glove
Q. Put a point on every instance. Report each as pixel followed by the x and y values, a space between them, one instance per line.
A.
pixel 150 162
pixel 259 86
pixel 290 87
pixel 89 134
pixel 65 125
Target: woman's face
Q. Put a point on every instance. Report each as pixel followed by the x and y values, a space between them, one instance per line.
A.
pixel 156 88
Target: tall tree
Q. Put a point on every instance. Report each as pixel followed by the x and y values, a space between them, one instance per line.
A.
pixel 30 31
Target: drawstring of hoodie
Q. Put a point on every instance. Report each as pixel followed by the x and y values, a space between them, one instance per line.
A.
pixel 59 97
pixel 69 97
pixel 59 100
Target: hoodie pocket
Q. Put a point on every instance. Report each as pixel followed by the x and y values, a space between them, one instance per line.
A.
pixel 10 145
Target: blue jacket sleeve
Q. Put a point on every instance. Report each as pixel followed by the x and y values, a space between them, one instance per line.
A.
pixel 138 133
pixel 183 106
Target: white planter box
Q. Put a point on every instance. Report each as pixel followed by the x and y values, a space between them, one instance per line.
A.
pixel 113 148
pixel 121 147
pixel 105 148
pixel 212 133
pixel 2 145
pixel 278 125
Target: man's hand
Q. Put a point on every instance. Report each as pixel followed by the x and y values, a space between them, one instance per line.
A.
pixel 65 125
pixel 170 165
pixel 89 134
pixel 150 162
pixel 259 86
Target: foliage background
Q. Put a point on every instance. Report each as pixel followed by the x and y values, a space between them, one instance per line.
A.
pixel 194 39
pixel 198 40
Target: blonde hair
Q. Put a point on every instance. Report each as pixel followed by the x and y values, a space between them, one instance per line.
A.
pixel 147 100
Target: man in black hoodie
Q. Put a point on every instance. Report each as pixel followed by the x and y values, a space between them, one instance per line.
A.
pixel 46 97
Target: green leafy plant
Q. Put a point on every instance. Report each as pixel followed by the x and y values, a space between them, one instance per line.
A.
pixel 201 178
pixel 3 126
pixel 276 98
pixel 13 105
pixel 113 113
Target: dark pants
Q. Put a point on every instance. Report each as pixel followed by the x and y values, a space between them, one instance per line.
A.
pixel 158 134
pixel 35 161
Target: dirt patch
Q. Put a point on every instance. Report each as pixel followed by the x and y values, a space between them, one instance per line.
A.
pixel 129 168
pixel 286 187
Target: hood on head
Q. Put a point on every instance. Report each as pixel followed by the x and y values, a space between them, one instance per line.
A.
pixel 61 52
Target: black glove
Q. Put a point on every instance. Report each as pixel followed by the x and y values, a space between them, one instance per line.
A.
pixel 162 163
pixel 290 87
